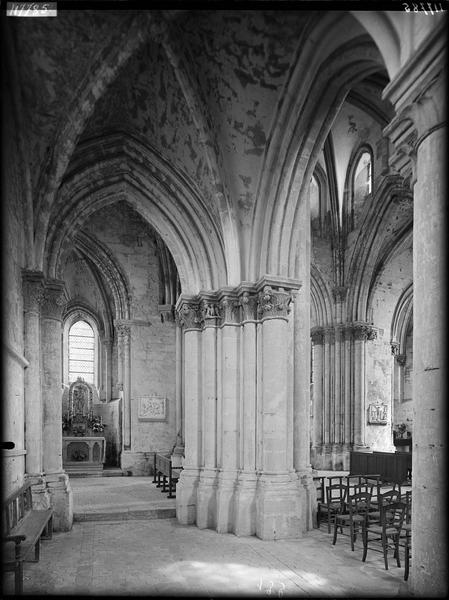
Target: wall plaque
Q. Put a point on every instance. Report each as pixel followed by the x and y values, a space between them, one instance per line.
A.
pixel 152 408
pixel 377 414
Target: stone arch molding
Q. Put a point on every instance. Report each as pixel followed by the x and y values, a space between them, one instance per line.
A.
pixel 292 156
pixel 400 321
pixel 110 270
pixel 120 167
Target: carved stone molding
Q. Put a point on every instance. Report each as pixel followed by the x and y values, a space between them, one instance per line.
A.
pixel 54 299
pixel 32 290
pixel 189 312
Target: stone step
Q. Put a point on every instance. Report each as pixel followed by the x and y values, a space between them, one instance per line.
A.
pixel 124 514
pixel 113 473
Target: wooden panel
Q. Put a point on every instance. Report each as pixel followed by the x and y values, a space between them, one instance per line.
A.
pixel 391 466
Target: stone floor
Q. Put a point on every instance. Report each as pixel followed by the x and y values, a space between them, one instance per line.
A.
pixel 137 555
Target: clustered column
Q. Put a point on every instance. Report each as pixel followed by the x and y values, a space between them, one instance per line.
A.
pixel 339 390
pixel 51 376
pixel 33 286
pixel 238 471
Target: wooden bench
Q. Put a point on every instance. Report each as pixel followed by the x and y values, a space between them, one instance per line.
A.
pixel 22 530
pixel 164 469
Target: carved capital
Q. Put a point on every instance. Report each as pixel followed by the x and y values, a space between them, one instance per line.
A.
pixel 400 359
pixel 329 335
pixel 363 331
pixel 53 300
pixel 273 303
pixel 340 331
pixel 395 346
pixel 317 335
pixel 167 312
pixel 189 313
pixel 210 310
pixel 248 302
pixel 123 332
pixel 32 290
pixel 229 307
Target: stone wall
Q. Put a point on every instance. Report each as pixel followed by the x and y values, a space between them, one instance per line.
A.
pixel 392 281
pixel 13 260
pixel 132 243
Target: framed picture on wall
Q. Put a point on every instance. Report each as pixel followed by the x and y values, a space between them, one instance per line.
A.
pixel 152 408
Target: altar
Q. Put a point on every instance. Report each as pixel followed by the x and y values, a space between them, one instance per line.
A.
pixel 83 446
pixel 83 455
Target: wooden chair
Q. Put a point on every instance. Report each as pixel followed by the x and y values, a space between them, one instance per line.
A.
pixel 320 484
pixel 406 534
pixel 355 517
pixel 386 530
pixel 382 499
pixel 320 491
pixel 335 501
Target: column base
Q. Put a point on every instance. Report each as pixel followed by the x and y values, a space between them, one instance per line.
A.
pixel 361 448
pixel 226 501
pixel 177 457
pixel 307 491
pixel 279 507
pixel 245 504
pixel 186 496
pixel 206 508
pixel 60 491
pixel 39 492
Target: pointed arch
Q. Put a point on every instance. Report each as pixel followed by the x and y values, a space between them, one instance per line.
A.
pixel 401 319
pixel 321 299
pixel 276 222
pixel 110 270
pixel 128 170
pixel 348 208
pixel 371 250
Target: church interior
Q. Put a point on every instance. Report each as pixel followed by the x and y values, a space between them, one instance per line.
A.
pixel 223 242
